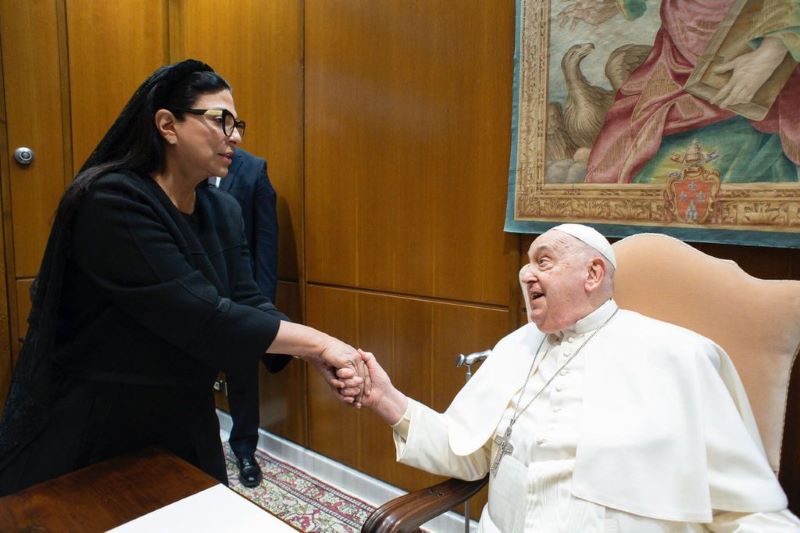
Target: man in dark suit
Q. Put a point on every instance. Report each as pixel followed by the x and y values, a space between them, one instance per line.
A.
pixel 249 183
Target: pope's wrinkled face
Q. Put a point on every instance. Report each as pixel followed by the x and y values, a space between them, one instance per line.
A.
pixel 555 280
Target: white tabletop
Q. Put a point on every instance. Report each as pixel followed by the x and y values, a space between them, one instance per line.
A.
pixel 217 509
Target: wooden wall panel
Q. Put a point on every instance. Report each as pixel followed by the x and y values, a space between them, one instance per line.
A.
pixel 257 47
pixel 29 33
pixel 282 400
pixel 6 234
pixel 407 112
pixel 113 46
pixel 399 332
pixel 333 428
pixel 462 329
pixel 407 137
pixel 416 341
pixel 283 395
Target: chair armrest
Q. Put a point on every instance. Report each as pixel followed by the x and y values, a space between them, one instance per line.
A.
pixel 408 512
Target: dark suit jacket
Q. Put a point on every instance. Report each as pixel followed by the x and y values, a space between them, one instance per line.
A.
pixel 248 182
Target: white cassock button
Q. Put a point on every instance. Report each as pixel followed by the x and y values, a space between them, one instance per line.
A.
pixel 559 388
pixel 540 440
pixel 564 372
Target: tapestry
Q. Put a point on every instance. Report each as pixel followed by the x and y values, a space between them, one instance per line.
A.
pixel 680 117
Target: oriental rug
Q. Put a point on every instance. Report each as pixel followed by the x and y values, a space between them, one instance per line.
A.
pixel 299 499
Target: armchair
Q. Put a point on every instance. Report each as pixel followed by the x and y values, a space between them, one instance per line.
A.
pixel 756 321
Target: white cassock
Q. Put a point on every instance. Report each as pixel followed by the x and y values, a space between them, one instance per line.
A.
pixel 647 429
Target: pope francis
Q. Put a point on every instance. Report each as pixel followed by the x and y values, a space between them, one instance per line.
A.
pixel 594 418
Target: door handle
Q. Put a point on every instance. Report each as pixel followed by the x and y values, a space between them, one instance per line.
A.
pixel 23 155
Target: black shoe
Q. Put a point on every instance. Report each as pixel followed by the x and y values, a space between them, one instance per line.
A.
pixel 249 472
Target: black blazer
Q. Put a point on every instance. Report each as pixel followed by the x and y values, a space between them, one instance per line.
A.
pixel 154 302
pixel 249 183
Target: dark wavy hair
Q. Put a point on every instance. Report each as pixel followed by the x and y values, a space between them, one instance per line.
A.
pixel 133 141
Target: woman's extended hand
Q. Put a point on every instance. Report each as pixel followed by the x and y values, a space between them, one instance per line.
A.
pixel 343 368
pixel 339 363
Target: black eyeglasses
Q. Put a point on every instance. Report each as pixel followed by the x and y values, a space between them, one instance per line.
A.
pixel 222 116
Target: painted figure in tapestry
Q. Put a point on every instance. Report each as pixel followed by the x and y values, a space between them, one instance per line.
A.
pixel 643 127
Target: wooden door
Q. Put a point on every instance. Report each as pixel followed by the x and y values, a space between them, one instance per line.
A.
pixel 114 45
pixel 32 50
pixel 68 67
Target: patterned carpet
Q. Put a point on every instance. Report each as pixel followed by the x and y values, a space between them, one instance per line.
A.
pixel 301 500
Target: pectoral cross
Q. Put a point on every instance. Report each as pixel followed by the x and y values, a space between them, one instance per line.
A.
pixel 504 447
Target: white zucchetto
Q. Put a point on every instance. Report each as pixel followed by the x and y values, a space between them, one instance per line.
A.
pixel 592 237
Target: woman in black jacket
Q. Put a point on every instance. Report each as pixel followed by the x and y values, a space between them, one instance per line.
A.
pixel 145 292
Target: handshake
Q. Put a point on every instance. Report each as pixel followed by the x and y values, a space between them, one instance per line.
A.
pixel 354 375
pixel 345 370
pixel 357 379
